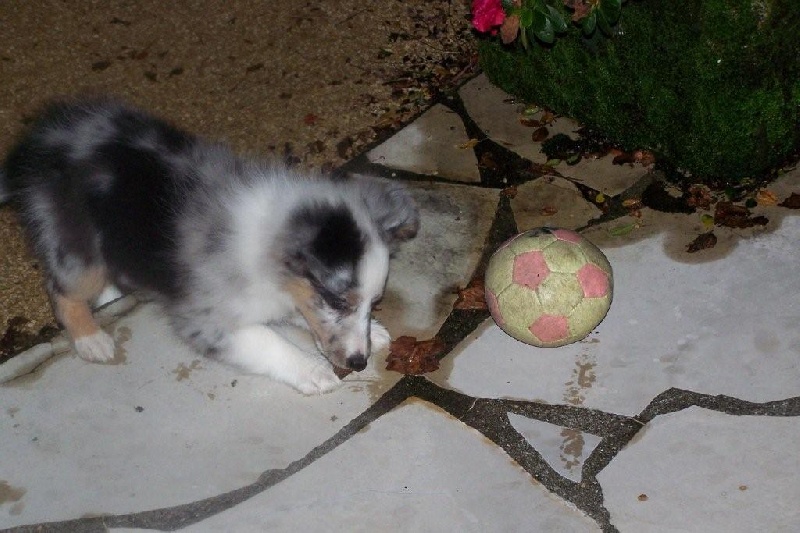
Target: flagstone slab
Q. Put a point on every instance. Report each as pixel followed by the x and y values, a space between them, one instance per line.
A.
pixel 435 144
pixel 553 202
pixel 161 427
pixel 700 470
pixel 498 115
pixel 728 327
pixel 603 175
pixel 426 271
pixel 414 469
pixel 564 449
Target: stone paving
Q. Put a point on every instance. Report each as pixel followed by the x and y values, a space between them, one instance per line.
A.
pixel 678 413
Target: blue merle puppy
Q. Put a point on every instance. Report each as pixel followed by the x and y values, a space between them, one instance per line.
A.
pixel 111 195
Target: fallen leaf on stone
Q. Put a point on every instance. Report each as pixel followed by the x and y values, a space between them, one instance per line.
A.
pixel 707 220
pixel 530 122
pixel 702 242
pixel 600 198
pixel 539 134
pixel 736 216
pixel 530 110
pixel 766 197
pixel 469 144
pixel 625 229
pixel 644 158
pixel 548 211
pixel 792 202
pixel 699 196
pixel 547 117
pixel 407 355
pixel 472 297
pixel 510 192
pixel 623 158
pixel 632 203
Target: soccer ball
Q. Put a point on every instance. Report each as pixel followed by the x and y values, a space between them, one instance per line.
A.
pixel 548 287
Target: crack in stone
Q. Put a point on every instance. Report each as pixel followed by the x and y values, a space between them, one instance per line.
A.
pixel 488 416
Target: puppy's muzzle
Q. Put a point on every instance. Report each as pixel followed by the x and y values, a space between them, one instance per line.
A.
pixel 357 362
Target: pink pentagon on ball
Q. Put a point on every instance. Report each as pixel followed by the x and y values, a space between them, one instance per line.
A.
pixel 549 328
pixel 494 307
pixel 530 269
pixel 567 235
pixel 593 280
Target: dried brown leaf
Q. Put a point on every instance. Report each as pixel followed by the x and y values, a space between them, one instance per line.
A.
pixel 644 158
pixel 791 202
pixel 766 197
pixel 624 158
pixel 547 118
pixel 702 242
pixel 510 192
pixel 469 144
pixel 699 196
pixel 407 355
pixel 530 122
pixel 632 203
pixel 540 134
pixel 472 297
pixel 736 216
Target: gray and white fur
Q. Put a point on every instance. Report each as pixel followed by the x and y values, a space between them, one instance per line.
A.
pixel 231 247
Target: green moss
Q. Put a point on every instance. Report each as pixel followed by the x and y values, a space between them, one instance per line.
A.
pixel 712 86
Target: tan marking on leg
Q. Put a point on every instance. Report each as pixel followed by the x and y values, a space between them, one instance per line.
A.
pixel 89 285
pixel 75 315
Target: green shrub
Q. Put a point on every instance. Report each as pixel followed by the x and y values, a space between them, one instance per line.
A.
pixel 711 86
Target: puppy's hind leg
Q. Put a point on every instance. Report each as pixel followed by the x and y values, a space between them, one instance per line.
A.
pixel 73 311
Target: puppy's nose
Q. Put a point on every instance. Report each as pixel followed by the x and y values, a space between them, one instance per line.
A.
pixel 357 362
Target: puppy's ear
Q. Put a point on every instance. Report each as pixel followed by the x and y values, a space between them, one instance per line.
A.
pixel 323 244
pixel 391 207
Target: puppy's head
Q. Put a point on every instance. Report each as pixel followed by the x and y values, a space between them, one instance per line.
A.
pixel 336 258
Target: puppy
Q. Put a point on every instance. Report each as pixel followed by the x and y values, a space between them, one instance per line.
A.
pixel 231 247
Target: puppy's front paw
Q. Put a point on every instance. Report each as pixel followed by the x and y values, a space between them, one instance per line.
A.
pixel 319 380
pixel 97 347
pixel 379 337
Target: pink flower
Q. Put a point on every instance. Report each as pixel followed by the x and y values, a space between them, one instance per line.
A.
pixel 487 15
